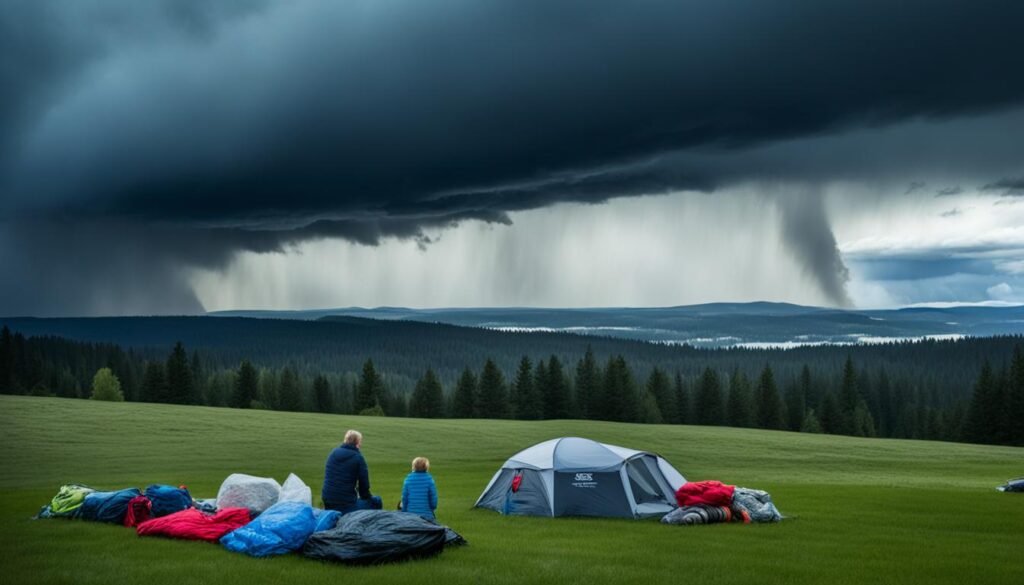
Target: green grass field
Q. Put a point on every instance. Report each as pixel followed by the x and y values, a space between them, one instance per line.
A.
pixel 862 510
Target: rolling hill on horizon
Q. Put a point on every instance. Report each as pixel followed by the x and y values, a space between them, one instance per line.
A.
pixel 757 324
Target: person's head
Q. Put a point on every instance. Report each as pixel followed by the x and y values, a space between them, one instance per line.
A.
pixel 421 464
pixel 354 438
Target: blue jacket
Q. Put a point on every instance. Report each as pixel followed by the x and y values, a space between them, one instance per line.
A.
pixel 419 494
pixel 345 475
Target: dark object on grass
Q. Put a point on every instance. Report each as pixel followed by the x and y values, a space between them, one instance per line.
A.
pixel 1013 485
pixel 108 506
pixel 698 514
pixel 167 499
pixel 191 524
pixel 375 536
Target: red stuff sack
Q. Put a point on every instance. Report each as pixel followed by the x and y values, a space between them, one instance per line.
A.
pixel 138 511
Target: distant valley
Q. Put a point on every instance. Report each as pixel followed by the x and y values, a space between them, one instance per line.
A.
pixel 752 325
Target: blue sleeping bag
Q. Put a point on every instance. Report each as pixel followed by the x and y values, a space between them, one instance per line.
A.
pixel 108 506
pixel 282 528
pixel 168 499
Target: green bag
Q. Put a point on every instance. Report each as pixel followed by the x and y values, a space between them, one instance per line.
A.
pixel 67 502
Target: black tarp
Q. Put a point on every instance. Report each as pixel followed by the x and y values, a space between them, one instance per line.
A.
pixel 1014 485
pixel 377 536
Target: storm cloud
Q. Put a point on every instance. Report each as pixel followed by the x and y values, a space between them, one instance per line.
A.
pixel 194 130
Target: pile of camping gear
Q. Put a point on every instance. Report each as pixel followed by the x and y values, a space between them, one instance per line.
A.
pixel 259 517
pixel 712 502
pixel 572 476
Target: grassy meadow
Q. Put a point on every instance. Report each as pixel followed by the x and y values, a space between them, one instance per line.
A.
pixel 861 510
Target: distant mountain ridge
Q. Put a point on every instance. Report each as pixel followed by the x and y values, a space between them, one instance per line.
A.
pixel 753 324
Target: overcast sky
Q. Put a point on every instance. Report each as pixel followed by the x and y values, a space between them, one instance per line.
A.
pixel 182 155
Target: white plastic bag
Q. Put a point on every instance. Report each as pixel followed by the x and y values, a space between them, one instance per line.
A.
pixel 295 490
pixel 246 491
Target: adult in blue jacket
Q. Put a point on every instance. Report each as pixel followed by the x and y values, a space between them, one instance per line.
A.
pixel 347 479
pixel 419 494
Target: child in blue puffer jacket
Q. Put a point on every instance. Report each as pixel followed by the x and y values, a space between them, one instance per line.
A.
pixel 419 494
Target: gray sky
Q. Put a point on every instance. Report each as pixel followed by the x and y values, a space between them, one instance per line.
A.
pixel 176 156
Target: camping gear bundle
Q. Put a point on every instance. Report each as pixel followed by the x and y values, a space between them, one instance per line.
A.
pixel 712 502
pixel 572 476
pixel 259 517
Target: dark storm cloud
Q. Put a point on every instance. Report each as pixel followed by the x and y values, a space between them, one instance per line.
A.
pixel 949 191
pixel 1007 187
pixel 256 125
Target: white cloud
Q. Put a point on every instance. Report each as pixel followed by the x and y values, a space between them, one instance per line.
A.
pixel 1001 291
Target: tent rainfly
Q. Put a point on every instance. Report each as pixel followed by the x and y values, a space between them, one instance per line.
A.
pixel 571 476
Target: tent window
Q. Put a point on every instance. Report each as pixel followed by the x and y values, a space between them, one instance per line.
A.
pixel 645 487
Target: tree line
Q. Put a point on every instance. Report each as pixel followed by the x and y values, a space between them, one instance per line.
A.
pixel 860 402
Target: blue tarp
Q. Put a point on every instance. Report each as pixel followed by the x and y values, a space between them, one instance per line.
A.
pixel 108 506
pixel 282 528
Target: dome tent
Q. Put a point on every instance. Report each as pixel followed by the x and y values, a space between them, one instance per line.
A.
pixel 571 476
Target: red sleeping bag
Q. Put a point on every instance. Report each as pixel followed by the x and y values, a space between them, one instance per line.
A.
pixel 712 493
pixel 191 524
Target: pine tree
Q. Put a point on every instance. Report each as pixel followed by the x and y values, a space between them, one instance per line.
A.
pixel 289 392
pixel 267 390
pixel 154 383
pixel 370 389
pixel 739 407
pixel 179 377
pixel 770 412
pixel 323 400
pixel 198 379
pixel 1001 413
pixel 428 398
pixel 708 408
pixel 106 386
pixel 540 386
pixel 810 423
pixel 6 361
pixel 983 410
pixel 660 388
pixel 620 400
pixel 246 382
pixel 682 401
pixel 525 400
pixel 887 412
pixel 464 400
pixel 863 423
pixel 493 394
pixel 830 415
pixel 649 411
pixel 588 385
pixel 557 400
pixel 1015 398
pixel 849 397
pixel 796 403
